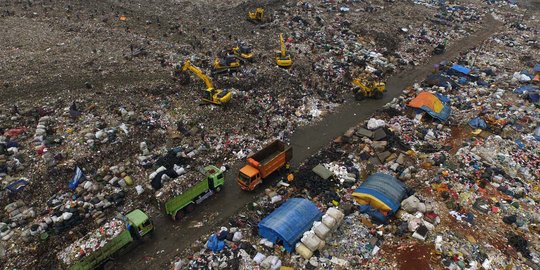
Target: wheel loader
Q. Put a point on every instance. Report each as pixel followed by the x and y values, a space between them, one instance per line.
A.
pixel 364 88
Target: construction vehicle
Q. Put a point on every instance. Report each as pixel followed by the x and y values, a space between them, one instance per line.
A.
pixel 214 96
pixel 241 51
pixel 365 88
pixel 226 63
pixel 256 16
pixel 260 165
pixel 282 58
pixel 137 225
pixel 185 202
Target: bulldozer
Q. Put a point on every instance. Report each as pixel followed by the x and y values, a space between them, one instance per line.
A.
pixel 211 95
pixel 225 63
pixel 241 51
pixel 283 59
pixel 256 16
pixel 364 88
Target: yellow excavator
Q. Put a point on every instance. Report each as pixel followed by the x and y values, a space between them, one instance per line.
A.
pixel 214 96
pixel 283 59
pixel 225 63
pixel 364 88
pixel 256 16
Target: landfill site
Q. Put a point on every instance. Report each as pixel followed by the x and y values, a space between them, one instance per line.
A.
pixel 277 134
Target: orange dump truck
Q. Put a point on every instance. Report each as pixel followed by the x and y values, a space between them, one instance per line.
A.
pixel 263 163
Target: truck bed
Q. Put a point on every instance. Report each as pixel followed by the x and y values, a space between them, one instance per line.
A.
pixel 114 235
pixel 96 258
pixel 269 152
pixel 186 197
pixel 271 158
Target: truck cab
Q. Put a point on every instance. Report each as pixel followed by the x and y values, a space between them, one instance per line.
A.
pixel 139 223
pixel 249 177
pixel 215 177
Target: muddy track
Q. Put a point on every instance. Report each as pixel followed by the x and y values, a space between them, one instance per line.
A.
pixel 171 238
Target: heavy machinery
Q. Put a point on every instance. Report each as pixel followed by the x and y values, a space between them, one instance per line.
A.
pixel 225 63
pixel 241 51
pixel 214 96
pixel 283 59
pixel 211 183
pixel 136 224
pixel 256 16
pixel 260 165
pixel 365 88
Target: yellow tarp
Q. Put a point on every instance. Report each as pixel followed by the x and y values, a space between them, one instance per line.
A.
pixel 362 198
pixel 427 99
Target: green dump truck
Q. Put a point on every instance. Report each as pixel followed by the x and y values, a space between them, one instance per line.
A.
pixel 98 247
pixel 212 182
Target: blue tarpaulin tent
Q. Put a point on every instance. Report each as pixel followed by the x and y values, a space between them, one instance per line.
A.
pixel 289 222
pixel 537 68
pixel 382 191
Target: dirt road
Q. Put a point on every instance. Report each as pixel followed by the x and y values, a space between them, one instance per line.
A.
pixel 171 237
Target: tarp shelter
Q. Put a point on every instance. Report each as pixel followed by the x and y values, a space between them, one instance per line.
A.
pixel 459 70
pixel 432 104
pixel 381 191
pixel 289 222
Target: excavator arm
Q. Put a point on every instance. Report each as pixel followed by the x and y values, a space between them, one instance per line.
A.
pixel 188 66
pixel 215 96
pixel 283 59
pixel 283 52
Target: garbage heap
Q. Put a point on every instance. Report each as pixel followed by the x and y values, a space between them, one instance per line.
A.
pixel 44 140
pixel 464 141
pixel 91 242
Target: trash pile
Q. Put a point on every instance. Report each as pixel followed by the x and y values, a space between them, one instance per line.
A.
pixel 91 122
pixel 465 146
pixel 92 241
